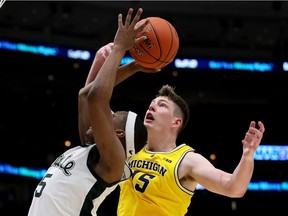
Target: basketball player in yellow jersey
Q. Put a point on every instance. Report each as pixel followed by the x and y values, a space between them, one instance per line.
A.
pixel 164 175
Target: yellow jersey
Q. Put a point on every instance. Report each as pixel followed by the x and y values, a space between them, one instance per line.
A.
pixel 154 188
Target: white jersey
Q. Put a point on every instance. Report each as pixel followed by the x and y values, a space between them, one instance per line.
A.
pixel 70 186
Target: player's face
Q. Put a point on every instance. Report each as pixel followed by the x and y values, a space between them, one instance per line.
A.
pixel 159 115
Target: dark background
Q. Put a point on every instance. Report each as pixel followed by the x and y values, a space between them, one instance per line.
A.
pixel 39 94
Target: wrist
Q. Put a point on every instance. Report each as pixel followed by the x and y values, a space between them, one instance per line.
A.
pixel 119 49
pixel 248 153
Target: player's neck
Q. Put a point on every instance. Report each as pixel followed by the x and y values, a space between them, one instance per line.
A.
pixel 160 145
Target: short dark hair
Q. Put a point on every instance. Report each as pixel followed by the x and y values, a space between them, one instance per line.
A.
pixel 169 91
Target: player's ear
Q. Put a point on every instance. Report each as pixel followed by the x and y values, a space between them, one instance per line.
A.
pixel 120 133
pixel 178 122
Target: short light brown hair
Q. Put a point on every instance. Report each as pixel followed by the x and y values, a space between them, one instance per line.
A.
pixel 169 91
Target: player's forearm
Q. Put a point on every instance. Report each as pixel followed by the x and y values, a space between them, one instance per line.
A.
pixel 95 67
pixel 125 71
pixel 242 176
pixel 103 85
pixel 98 61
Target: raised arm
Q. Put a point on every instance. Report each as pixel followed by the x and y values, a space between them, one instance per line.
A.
pixel 83 113
pixel 112 156
pixel 123 73
pixel 218 181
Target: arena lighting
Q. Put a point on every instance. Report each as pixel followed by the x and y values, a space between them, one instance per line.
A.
pixel 46 50
pixel 285 66
pixel 39 173
pixel 178 63
pixel 225 65
pixel 272 152
pixel 22 171
pixel 261 186
pixel 268 186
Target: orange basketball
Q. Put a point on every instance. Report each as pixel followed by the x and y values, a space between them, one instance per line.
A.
pixel 160 47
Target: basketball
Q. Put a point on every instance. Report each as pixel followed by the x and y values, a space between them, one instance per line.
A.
pixel 161 45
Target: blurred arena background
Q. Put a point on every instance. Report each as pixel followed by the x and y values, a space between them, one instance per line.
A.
pixel 39 91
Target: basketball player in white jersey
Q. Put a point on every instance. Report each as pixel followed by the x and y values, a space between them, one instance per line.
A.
pixel 79 180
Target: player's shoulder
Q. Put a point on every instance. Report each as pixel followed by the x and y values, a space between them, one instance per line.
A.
pixel 186 147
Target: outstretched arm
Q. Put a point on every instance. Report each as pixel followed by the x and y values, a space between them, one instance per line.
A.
pixel 242 175
pixel 228 184
pixel 112 156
